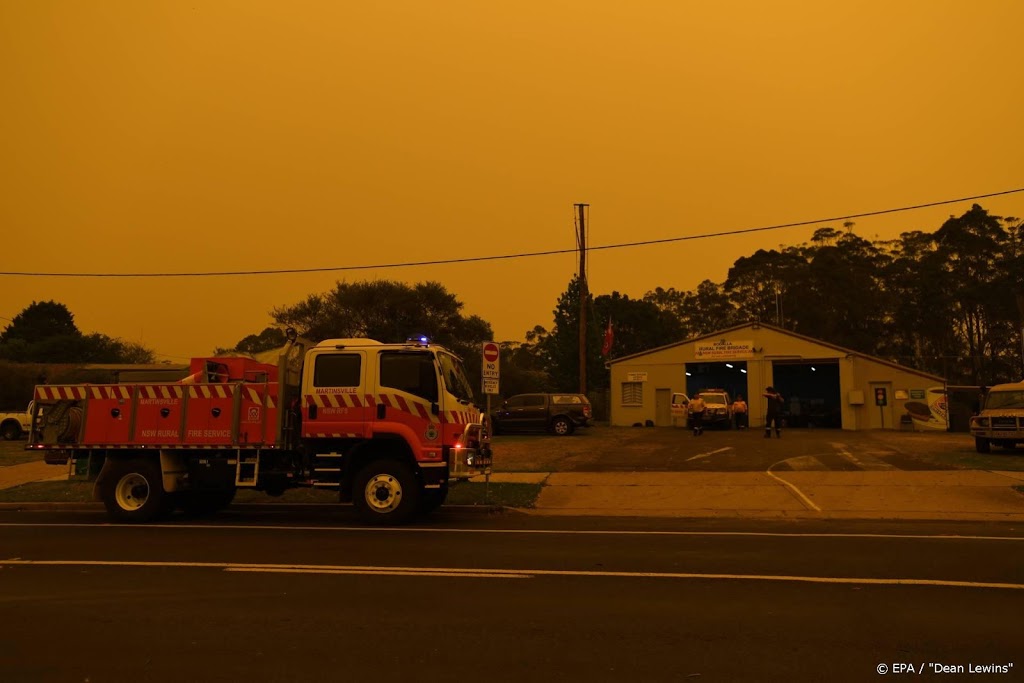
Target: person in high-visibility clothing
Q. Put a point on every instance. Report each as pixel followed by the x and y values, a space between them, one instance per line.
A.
pixel 696 410
pixel 739 412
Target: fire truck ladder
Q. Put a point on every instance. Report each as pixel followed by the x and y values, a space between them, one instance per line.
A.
pixel 327 469
pixel 247 468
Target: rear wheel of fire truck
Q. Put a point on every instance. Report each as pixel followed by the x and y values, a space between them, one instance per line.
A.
pixel 562 426
pixel 133 490
pixel 10 430
pixel 386 492
pixel 431 499
pixel 982 445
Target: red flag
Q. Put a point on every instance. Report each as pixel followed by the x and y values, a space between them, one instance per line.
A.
pixel 609 337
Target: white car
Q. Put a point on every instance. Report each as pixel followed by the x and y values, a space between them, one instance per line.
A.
pixel 717 408
pixel 14 425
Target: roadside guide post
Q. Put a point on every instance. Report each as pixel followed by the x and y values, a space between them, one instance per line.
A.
pixel 490 374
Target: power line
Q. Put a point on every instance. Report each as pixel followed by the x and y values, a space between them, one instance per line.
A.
pixel 528 254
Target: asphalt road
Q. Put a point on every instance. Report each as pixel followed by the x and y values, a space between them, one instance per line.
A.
pixel 281 597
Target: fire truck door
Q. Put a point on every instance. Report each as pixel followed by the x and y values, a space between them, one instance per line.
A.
pixel 407 388
pixel 339 404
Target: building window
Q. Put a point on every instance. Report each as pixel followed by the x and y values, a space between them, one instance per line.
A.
pixel 632 393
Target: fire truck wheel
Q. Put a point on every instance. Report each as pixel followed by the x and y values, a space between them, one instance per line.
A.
pixel 10 430
pixel 386 492
pixel 982 445
pixel 562 426
pixel 431 499
pixel 133 491
pixel 199 503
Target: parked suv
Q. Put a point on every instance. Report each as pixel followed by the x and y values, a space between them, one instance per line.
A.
pixel 557 413
pixel 1001 420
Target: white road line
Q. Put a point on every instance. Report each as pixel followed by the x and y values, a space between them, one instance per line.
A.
pixel 799 494
pixel 878 464
pixel 566 532
pixel 709 453
pixel 379 572
pixel 509 573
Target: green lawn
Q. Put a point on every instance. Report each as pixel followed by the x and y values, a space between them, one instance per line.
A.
pixel 14 453
pixel 998 459
pixel 48 492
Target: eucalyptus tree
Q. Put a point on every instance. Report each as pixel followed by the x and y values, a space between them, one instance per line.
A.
pixel 390 311
pixel 972 250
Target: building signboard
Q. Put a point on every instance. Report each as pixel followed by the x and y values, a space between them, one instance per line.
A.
pixel 724 349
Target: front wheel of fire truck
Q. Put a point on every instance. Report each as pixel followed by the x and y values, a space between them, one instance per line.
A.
pixel 982 445
pixel 133 491
pixel 386 492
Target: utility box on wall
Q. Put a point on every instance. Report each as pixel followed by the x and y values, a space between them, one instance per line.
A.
pixel 855 397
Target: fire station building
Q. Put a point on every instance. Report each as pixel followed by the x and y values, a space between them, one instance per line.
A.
pixel 823 385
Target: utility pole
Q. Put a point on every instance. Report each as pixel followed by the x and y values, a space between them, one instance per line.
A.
pixel 581 241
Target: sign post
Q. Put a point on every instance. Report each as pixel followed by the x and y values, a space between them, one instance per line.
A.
pixel 881 400
pixel 491 376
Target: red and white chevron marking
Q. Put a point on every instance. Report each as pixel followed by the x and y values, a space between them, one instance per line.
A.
pixel 463 416
pixel 57 393
pixel 339 400
pixel 419 409
pixel 161 391
pixel 209 391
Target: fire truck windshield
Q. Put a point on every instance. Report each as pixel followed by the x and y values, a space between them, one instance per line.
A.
pixel 455 377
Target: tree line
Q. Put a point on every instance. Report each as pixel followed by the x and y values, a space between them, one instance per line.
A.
pixel 948 302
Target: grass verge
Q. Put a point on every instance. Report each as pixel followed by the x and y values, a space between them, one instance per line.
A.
pixel 49 492
pixel 1007 460
pixel 14 453
pixel 466 493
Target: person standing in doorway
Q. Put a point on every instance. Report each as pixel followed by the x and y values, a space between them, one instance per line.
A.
pixel 696 410
pixel 739 412
pixel 773 414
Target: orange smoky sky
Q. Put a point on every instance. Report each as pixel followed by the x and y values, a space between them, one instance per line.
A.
pixel 197 136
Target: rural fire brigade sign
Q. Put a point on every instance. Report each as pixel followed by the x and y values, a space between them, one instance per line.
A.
pixel 491 371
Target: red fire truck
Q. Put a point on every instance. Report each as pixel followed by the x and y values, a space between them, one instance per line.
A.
pixel 386 425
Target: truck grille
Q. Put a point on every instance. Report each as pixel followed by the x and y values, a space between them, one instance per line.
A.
pixel 1004 423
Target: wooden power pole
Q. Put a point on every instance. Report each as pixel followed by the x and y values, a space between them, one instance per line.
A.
pixel 581 239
